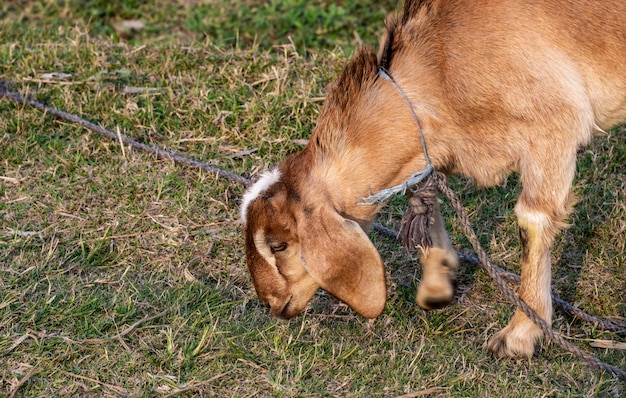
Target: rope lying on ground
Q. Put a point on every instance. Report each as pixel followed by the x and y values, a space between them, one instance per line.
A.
pixel 497 273
pixel 159 152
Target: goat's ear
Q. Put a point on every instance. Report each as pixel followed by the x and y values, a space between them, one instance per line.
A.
pixel 343 261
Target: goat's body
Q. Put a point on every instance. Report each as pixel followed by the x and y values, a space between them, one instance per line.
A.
pixel 499 86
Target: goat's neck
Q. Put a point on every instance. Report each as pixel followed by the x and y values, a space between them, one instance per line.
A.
pixel 359 171
pixel 372 145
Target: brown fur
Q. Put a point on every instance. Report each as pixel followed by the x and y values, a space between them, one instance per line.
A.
pixel 500 86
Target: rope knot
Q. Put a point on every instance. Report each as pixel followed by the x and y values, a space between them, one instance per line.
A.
pixel 417 219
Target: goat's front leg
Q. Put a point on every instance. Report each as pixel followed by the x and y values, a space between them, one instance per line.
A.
pixel 439 266
pixel 544 203
pixel 518 338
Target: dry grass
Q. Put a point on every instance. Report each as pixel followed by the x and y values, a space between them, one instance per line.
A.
pixel 124 275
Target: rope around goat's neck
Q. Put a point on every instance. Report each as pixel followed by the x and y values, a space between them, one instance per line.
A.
pixel 385 194
pixel 492 270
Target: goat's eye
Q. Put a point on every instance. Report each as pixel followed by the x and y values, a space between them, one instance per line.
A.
pixel 277 246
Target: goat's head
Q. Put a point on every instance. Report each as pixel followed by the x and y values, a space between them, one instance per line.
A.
pixel 296 245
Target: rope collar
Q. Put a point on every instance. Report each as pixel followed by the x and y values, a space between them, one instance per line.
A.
pixel 385 194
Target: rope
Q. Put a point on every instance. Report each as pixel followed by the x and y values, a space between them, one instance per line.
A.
pixel 384 194
pixel 492 270
pixel 417 218
pixel 159 152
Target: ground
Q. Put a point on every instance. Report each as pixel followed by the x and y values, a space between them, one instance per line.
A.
pixel 124 275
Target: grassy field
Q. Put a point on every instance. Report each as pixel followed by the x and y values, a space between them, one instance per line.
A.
pixel 124 275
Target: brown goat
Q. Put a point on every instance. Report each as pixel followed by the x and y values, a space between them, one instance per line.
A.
pixel 499 86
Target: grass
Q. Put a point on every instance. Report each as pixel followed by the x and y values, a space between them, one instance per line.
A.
pixel 124 275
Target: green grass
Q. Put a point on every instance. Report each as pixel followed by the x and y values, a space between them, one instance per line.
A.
pixel 96 240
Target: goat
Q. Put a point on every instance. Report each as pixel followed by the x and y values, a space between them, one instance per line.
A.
pixel 499 86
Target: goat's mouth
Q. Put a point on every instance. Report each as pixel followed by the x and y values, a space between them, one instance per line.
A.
pixel 286 310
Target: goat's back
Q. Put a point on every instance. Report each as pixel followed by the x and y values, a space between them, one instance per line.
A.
pixel 485 50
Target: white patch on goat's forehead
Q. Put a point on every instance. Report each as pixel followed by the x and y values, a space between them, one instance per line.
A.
pixel 267 179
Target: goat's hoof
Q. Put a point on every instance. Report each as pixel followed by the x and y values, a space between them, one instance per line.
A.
pixel 433 297
pixel 515 341
pixel 438 281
